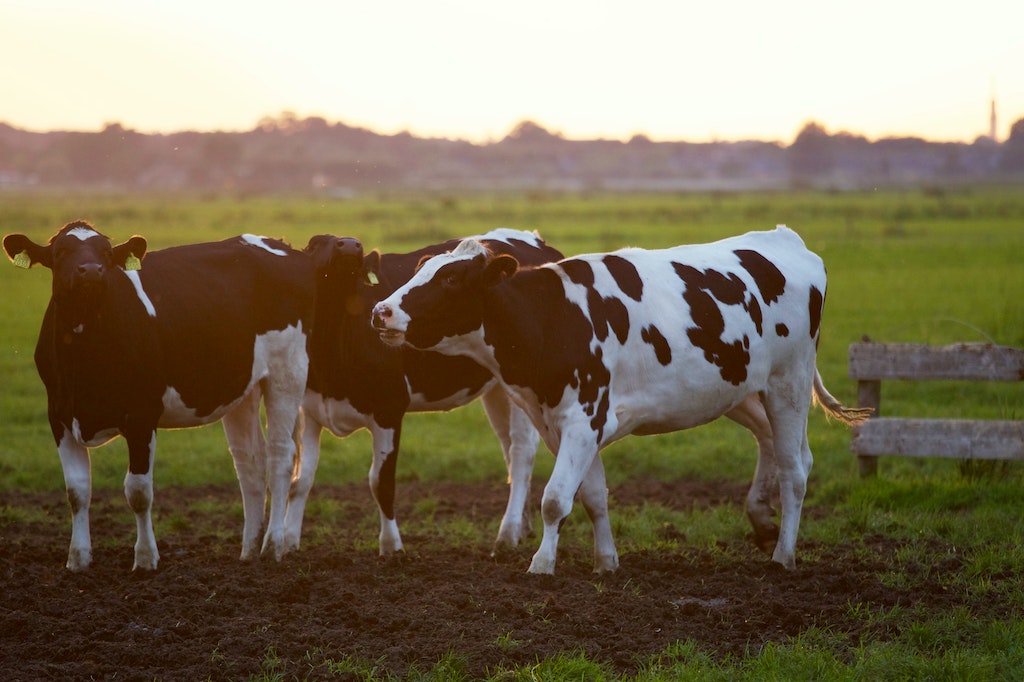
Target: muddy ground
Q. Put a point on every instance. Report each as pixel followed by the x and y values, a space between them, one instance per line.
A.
pixel 204 614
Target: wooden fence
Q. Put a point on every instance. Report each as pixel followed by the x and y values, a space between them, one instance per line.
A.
pixel 871 363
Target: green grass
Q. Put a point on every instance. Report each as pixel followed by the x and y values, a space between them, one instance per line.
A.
pixel 928 267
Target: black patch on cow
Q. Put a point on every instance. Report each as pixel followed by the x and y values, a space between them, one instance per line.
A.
pixel 814 308
pixel 781 329
pixel 702 290
pixel 653 336
pixel 754 308
pixel 608 314
pixel 769 279
pixel 625 275
pixel 579 272
pixel 517 312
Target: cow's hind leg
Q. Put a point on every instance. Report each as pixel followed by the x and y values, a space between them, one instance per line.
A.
pixel 302 483
pixel 74 460
pixel 519 442
pixel 248 450
pixel 382 485
pixel 282 399
pixel 787 402
pixel 751 415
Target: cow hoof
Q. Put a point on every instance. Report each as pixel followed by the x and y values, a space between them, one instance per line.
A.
pixel 766 538
pixel 78 561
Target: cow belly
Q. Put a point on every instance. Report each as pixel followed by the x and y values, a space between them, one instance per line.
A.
pixel 419 403
pixel 337 416
pixel 281 351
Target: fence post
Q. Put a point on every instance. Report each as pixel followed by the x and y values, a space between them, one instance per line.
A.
pixel 869 394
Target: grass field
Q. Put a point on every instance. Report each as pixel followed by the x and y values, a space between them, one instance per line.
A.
pixel 929 267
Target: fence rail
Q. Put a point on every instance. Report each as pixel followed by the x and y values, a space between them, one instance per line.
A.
pixel 871 363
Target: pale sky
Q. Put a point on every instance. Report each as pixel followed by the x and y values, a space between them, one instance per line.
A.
pixel 472 69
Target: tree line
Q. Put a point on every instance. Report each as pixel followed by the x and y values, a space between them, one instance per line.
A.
pixel 291 154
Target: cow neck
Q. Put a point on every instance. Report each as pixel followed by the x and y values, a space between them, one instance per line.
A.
pixel 338 327
pixel 516 325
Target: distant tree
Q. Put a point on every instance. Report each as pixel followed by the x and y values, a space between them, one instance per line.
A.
pixel 1012 159
pixel 528 131
pixel 812 153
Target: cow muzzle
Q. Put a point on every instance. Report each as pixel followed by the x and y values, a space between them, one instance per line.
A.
pixel 383 320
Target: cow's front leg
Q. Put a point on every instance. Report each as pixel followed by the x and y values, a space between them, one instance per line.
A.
pixel 138 490
pixel 74 460
pixel 575 456
pixel 382 485
pixel 594 496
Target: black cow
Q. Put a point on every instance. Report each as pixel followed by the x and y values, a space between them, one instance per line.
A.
pixel 600 346
pixel 200 333
pixel 355 381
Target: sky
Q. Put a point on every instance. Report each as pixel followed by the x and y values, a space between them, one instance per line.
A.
pixel 472 69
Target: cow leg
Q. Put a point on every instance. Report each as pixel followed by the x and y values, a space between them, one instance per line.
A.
pixel 302 483
pixel 248 450
pixel 138 490
pixel 282 399
pixel 594 496
pixel 575 457
pixel 74 460
pixel 751 415
pixel 787 402
pixel 382 485
pixel 519 442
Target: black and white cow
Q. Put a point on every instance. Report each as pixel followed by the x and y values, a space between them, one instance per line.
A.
pixel 356 382
pixel 600 346
pixel 198 334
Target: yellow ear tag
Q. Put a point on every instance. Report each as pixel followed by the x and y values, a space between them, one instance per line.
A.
pixel 371 278
pixel 132 262
pixel 22 260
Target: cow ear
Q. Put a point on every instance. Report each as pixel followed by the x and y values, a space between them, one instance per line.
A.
pixel 25 253
pixel 129 255
pixel 499 268
pixel 371 264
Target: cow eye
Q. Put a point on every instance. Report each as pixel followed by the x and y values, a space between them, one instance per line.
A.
pixel 451 281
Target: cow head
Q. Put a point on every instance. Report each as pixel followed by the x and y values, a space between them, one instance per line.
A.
pixel 81 260
pixel 443 298
pixel 340 269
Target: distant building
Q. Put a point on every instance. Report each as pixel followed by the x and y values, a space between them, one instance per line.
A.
pixel 992 130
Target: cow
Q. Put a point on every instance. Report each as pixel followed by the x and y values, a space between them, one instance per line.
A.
pixel 356 382
pixel 198 334
pixel 600 346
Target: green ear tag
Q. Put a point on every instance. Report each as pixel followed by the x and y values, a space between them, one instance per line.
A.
pixel 132 262
pixel 371 278
pixel 22 260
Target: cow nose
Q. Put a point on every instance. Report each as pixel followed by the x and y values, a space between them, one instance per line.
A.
pixel 381 314
pixel 347 246
pixel 91 271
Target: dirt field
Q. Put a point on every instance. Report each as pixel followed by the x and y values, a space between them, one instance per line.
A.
pixel 205 614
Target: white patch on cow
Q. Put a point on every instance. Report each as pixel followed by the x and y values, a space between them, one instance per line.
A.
pixel 83 233
pixel 507 235
pixel 133 277
pixel 260 242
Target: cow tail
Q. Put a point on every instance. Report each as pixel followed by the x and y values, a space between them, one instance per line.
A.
pixel 300 423
pixel 835 409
